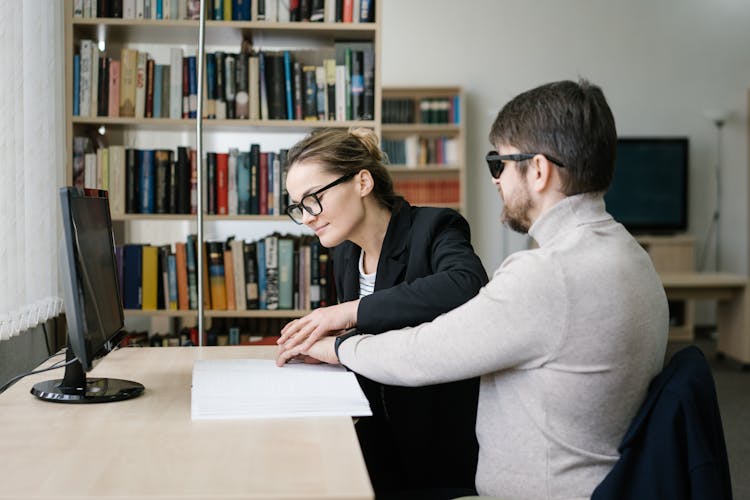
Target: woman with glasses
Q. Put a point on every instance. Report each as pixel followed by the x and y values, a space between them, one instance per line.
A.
pixel 395 265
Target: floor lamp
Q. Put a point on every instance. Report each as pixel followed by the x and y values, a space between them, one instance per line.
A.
pixel 718 120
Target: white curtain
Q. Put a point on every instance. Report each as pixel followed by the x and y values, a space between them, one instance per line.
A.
pixel 32 155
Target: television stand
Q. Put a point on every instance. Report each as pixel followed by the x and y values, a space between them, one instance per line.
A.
pixel 674 254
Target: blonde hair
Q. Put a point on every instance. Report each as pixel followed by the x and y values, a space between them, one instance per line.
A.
pixel 348 151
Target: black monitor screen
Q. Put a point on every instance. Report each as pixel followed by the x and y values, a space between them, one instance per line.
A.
pixel 99 292
pixel 93 307
pixel 649 187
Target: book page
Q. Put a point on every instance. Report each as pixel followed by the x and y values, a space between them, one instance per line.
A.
pixel 255 388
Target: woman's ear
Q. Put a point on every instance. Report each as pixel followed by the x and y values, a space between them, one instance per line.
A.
pixel 366 182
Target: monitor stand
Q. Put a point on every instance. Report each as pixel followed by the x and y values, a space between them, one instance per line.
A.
pixel 74 387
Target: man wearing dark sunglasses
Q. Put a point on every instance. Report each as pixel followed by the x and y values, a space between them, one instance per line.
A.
pixel 566 336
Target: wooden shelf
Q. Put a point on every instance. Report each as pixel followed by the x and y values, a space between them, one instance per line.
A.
pixel 252 313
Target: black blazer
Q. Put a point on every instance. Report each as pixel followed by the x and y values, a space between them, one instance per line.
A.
pixel 417 437
pixel 674 448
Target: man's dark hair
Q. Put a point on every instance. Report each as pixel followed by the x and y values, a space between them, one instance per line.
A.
pixel 569 121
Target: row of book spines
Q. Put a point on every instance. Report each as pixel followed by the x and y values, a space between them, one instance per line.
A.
pixel 264 331
pixel 346 11
pixel 419 151
pixel 428 110
pixel 427 191
pixel 150 182
pixel 274 273
pixel 189 337
pixel 260 86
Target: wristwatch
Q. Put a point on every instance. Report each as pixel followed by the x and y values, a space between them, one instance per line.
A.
pixel 349 333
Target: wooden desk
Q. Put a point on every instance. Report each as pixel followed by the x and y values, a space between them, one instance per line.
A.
pixel 730 291
pixel 148 447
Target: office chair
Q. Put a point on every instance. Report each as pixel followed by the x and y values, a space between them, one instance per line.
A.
pixel 674 447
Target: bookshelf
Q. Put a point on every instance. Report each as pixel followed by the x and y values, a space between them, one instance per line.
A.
pixel 424 135
pixel 308 43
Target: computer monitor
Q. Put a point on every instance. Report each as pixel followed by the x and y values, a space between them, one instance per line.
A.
pixel 93 307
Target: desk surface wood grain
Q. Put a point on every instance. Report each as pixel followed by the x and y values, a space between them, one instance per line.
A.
pixel 149 447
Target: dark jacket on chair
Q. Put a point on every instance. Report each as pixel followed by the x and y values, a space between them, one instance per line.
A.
pixel 674 448
pixel 425 436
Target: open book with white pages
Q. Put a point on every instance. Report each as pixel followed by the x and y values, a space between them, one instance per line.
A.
pixel 257 388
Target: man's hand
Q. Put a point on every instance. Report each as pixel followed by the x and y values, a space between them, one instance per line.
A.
pixel 319 323
pixel 323 350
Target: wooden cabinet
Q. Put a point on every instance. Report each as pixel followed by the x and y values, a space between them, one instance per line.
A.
pixel 310 43
pixel 674 254
pixel 424 135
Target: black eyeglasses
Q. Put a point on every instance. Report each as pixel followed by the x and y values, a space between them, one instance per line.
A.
pixel 495 161
pixel 311 203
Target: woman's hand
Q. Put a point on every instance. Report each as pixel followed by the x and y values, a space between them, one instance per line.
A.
pixel 305 331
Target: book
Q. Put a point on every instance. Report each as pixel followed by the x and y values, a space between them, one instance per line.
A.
pixel 132 181
pixel 149 106
pixel 215 251
pixel 243 183
pixel 76 84
pixel 162 301
pixel 140 84
pixel 260 259
pixel 175 83
pixel 132 276
pixel 206 280
pixel 288 90
pixel 286 272
pixel 229 277
pixel 183 300
pixel 182 180
pixel 157 87
pixel 230 88
pixel 252 295
pixel 222 183
pixel 113 110
pixel 254 158
pixel 330 79
pixel 84 98
pixel 172 278
pixel 146 159
pixel 128 71
pixel 149 273
pixel 238 267
pixel 232 194
pixel 310 95
pixel 117 179
pixel 103 86
pixel 192 270
pixel 192 87
pixel 162 181
pixel 242 96
pixel 272 271
pixel 253 87
pixel 275 86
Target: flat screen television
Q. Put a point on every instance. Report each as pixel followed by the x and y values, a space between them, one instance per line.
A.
pixel 649 191
pixel 91 295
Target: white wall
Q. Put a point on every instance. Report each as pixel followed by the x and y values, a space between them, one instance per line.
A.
pixel 663 64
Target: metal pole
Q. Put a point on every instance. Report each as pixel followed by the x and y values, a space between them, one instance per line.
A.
pixel 199 154
pixel 719 126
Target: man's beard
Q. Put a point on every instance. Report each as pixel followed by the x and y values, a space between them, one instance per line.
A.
pixel 516 216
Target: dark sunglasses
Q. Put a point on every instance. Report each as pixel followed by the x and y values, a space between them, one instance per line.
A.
pixel 495 161
pixel 310 203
